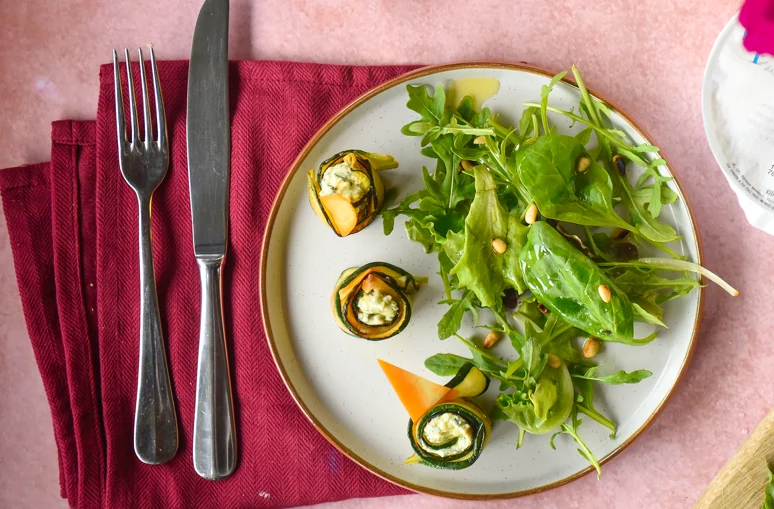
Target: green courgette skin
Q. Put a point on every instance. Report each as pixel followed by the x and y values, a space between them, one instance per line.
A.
pixel 373 200
pixel 459 461
pixel 403 283
pixel 465 371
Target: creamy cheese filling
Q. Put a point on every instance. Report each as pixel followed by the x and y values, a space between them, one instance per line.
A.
pixel 342 180
pixel 376 308
pixel 445 427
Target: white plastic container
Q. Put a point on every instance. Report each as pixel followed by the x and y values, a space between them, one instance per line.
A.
pixel 738 111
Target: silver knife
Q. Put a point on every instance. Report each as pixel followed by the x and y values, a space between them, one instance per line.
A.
pixel 209 151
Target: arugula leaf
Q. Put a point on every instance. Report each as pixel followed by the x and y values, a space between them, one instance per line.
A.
pixel 445 364
pixel 480 268
pixel 483 360
pixel 421 102
pixel 646 224
pixel 650 313
pixel 545 91
pixel 452 319
pixel 526 126
pixel 651 171
pixel 518 340
pixel 465 108
pixel 585 403
pixel 572 430
pixel 547 170
pixel 643 195
pixel 617 378
pixel 584 136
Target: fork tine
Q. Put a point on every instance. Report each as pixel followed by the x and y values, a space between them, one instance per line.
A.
pixel 120 125
pixel 161 121
pixel 145 106
pixel 132 100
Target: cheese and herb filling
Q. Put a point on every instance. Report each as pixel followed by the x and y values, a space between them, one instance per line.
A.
pixel 342 180
pixel 449 430
pixel 376 308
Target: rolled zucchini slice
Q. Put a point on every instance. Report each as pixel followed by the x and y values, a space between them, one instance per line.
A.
pixel 374 301
pixel 450 435
pixel 469 381
pixel 346 191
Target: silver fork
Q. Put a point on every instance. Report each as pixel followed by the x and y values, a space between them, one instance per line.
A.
pixel 144 164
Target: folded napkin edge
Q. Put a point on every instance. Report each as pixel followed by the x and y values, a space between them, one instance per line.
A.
pixel 26 175
pixel 74 132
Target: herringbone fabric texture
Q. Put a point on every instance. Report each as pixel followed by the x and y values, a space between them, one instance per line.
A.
pixel 73 230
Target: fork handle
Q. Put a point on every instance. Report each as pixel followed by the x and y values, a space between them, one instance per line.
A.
pixel 214 441
pixel 155 421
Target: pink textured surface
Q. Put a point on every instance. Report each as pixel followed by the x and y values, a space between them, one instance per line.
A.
pixel 645 56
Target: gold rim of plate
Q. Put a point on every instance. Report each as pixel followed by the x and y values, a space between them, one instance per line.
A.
pixel 419 73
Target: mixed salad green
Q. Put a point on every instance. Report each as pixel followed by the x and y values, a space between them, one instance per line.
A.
pixel 543 230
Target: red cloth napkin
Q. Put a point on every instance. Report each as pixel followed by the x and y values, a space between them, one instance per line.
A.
pixel 73 230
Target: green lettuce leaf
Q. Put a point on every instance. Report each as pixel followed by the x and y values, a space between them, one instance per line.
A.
pixel 480 268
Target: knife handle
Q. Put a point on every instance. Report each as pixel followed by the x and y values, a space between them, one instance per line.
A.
pixel 214 440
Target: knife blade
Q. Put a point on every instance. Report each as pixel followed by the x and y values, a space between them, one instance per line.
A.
pixel 209 150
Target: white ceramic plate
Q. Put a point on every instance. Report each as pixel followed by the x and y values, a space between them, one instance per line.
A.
pixel 335 378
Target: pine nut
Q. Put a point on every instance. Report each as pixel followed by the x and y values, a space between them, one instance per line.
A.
pixel 554 361
pixel 604 293
pixel 590 348
pixel 499 246
pixel 583 164
pixel 531 215
pixel 491 339
pixel 467 165
pixel 479 140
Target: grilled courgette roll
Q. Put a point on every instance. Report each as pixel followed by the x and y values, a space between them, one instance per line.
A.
pixel 346 192
pixel 446 429
pixel 450 435
pixel 374 301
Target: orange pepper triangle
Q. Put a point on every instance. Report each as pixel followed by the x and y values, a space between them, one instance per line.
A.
pixel 417 394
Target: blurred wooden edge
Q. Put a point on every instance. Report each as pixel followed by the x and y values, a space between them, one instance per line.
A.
pixel 740 483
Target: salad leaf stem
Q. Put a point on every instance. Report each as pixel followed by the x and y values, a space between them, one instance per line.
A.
pixel 677 266
pixel 483 353
pixel 663 247
pixel 571 429
pixel 585 96
pixel 597 416
pixel 498 314
pixel 627 149
pixel 446 284
pixel 592 244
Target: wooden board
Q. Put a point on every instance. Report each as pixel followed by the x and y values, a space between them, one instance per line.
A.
pixel 740 483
